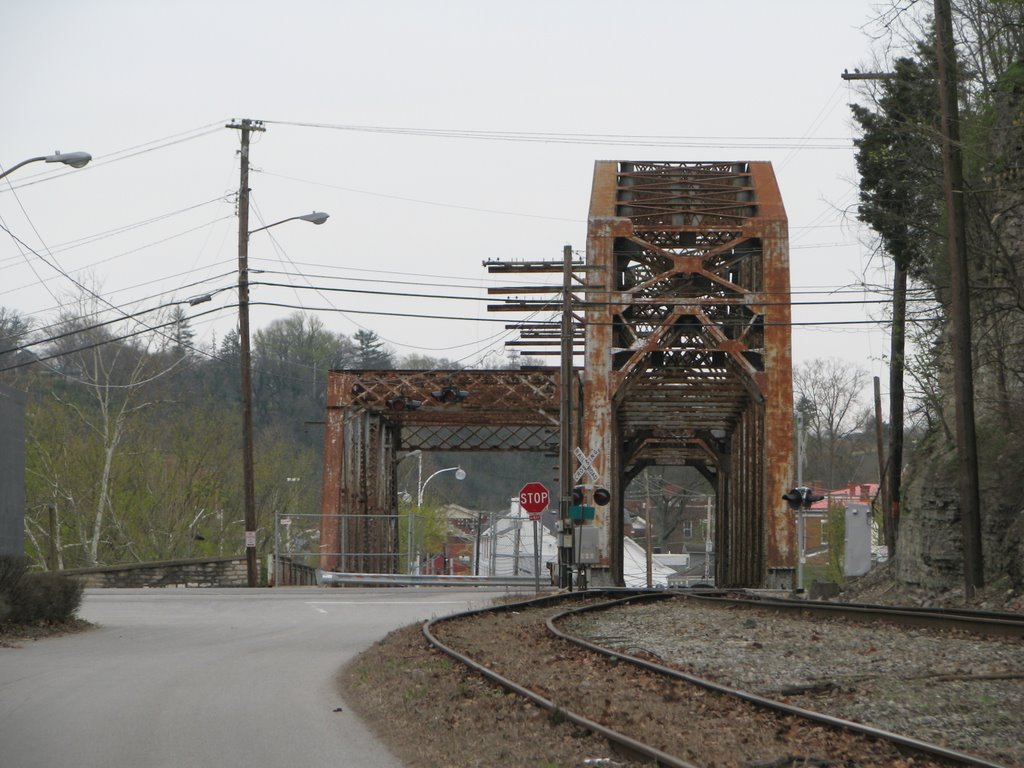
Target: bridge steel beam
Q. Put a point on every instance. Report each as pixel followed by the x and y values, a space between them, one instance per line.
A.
pixel 687 361
pixel 687 354
pixel 373 416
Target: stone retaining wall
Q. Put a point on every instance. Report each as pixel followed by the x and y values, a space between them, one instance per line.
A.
pixel 210 572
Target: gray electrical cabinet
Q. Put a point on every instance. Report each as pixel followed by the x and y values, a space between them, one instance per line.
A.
pixel 857 550
pixel 586 544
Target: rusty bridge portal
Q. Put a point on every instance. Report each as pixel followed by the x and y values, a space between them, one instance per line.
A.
pixel 680 314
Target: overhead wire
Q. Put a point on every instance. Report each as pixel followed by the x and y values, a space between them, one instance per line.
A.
pixel 631 140
pixel 504 136
pixel 129 252
pixel 90 239
pixel 123 337
pixel 420 201
pixel 128 153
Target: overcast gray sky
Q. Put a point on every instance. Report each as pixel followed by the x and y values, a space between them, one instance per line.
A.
pixel 148 86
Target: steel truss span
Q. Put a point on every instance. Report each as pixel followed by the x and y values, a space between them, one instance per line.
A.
pixel 373 416
pixel 680 314
pixel 687 353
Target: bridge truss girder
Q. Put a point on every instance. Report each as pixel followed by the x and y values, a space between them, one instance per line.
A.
pixel 685 330
pixel 687 354
pixel 364 433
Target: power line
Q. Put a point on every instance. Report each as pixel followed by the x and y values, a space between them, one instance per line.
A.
pixel 169 238
pixel 102 342
pixel 89 239
pixel 123 154
pixel 555 323
pixel 676 301
pixel 631 140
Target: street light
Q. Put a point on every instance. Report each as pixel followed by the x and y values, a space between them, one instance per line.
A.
pixel 245 356
pixel 460 474
pixel 316 217
pixel 74 159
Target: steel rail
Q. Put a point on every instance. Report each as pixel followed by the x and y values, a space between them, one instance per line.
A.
pixel 907 742
pixel 979 622
pixel 623 742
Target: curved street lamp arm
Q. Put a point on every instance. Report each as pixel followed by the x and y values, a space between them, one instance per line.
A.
pixel 316 217
pixel 13 168
pixel 74 159
pixel 419 498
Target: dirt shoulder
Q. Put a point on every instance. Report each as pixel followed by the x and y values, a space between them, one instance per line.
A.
pixel 17 635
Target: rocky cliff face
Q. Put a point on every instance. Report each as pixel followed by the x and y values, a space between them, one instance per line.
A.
pixel 929 551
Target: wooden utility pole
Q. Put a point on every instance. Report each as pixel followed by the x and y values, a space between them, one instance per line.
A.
pixel 244 355
pixel 567 382
pixel 897 367
pixel 960 307
pixel 883 492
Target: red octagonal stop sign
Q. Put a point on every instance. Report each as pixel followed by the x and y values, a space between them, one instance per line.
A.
pixel 534 499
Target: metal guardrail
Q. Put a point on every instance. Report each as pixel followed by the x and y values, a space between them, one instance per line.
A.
pixel 327 578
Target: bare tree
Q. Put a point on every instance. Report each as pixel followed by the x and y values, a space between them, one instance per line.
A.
pixel 828 393
pixel 114 371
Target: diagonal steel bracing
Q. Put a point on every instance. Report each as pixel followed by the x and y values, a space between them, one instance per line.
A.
pixel 372 415
pixel 687 354
pixel 681 314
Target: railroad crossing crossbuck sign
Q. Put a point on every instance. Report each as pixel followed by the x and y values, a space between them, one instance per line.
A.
pixel 534 499
pixel 586 465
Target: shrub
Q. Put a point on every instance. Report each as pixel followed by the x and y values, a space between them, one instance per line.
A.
pixel 45 597
pixel 12 568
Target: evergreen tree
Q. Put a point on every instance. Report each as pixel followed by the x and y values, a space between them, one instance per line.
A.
pixel 371 353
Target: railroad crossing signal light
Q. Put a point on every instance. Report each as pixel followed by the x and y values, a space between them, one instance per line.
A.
pixel 402 403
pixel 801 497
pixel 577 495
pixel 602 496
pixel 794 497
pixel 449 394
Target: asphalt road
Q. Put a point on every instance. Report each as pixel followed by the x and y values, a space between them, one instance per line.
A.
pixel 204 678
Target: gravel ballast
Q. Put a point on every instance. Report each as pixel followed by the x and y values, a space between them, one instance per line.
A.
pixel 953 689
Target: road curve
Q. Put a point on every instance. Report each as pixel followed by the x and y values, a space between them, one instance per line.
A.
pixel 222 678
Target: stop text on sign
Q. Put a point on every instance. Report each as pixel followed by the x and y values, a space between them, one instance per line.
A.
pixel 534 498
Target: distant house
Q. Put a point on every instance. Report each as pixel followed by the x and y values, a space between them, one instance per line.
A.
pixel 456 556
pixel 853 496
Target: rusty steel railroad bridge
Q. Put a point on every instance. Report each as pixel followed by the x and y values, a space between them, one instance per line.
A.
pixel 680 313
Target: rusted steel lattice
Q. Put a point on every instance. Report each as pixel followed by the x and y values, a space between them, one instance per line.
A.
pixel 681 314
pixel 372 415
pixel 687 352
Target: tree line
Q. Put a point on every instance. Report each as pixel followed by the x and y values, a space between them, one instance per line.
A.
pixel 133 438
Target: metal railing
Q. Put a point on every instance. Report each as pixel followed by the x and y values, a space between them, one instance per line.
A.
pixel 328 578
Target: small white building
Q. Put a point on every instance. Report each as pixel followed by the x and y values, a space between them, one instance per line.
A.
pixel 634 567
pixel 507 545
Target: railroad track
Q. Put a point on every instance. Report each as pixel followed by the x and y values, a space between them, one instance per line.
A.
pixel 992 623
pixel 652 713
